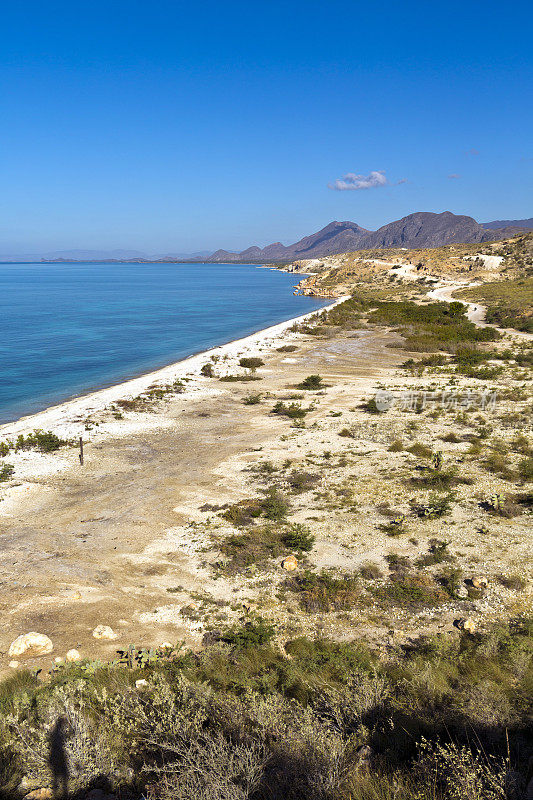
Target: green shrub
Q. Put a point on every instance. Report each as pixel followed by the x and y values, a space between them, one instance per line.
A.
pixel 311 383
pixel 420 450
pixel 252 399
pixel 301 481
pixel 287 348
pixel 6 471
pixel 498 464
pixel 207 370
pixel 432 326
pixel 293 411
pixel 452 437
pixel 412 590
pixel 451 579
pixel 441 478
pixel 525 469
pixel 45 441
pixel 436 506
pixel 519 444
pixel 398 563
pixel 251 363
pixel 244 512
pixel 437 552
pixel 371 406
pixel 323 592
pixel 237 378
pixel 275 505
pixel 442 718
pixel 253 634
pixel 299 537
pixel 347 433
pixel 370 571
pixel 396 446
pixel 256 547
pixel 396 526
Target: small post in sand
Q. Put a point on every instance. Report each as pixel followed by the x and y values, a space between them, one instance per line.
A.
pixel 81 451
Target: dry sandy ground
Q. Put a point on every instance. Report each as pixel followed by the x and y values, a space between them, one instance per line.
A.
pixel 102 543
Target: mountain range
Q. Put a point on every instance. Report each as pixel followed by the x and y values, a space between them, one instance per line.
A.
pixel 509 223
pixel 103 255
pixel 419 230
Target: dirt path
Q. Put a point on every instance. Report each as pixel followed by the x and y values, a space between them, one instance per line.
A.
pixel 476 312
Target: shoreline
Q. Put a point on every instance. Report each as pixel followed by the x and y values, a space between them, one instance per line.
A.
pixel 65 416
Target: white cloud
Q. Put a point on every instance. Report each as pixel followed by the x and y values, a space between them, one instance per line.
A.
pixel 352 182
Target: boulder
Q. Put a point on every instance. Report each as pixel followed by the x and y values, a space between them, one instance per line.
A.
pixel 480 582
pixel 14 664
pixel 467 625
pixel 289 563
pixel 73 655
pixel 104 632
pixel 30 645
pixel 39 794
pixel 141 683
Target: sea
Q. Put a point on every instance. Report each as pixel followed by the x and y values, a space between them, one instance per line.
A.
pixel 67 329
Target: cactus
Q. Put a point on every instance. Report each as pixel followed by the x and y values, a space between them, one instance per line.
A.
pixel 399 521
pixel 496 501
pixel 437 460
pixel 142 656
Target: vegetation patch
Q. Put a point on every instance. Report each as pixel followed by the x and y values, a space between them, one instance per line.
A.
pixel 43 441
pixel 324 592
pixel 239 378
pixel 291 410
pixel 6 471
pixel 274 506
pixel 414 590
pixel 312 383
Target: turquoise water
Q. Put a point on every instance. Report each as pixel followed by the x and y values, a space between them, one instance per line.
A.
pixel 67 329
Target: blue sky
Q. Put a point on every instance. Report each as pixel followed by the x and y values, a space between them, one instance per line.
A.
pixel 171 126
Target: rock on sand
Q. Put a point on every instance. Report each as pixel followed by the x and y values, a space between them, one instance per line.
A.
pixel 104 632
pixel 30 644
